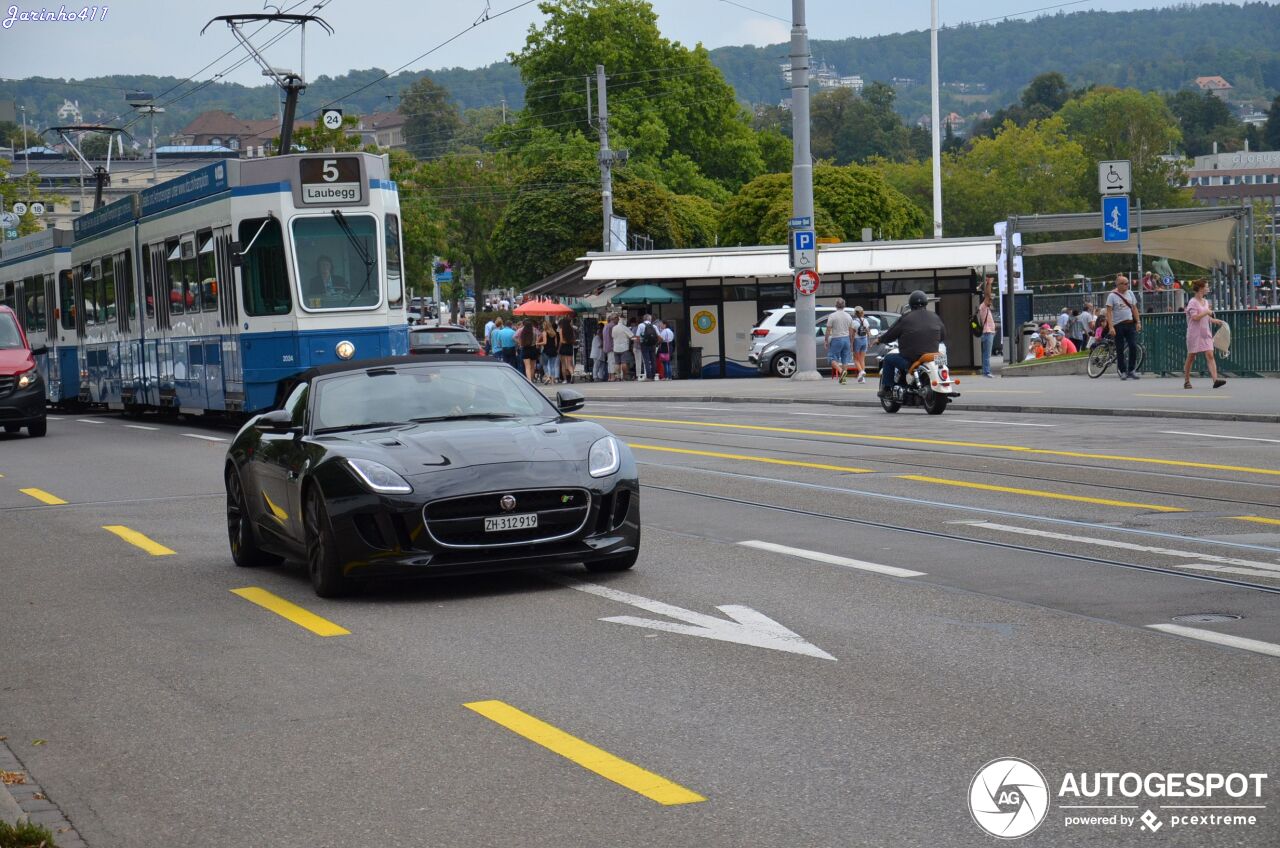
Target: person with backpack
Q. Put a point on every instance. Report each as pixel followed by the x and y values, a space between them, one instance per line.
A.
pixel 984 324
pixel 649 341
pixel 860 333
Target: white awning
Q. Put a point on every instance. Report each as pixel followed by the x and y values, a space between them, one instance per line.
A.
pixel 772 261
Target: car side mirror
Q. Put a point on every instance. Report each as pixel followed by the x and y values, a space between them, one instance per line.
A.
pixel 39 351
pixel 275 421
pixel 567 400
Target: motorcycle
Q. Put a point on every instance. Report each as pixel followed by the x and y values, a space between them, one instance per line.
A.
pixel 928 383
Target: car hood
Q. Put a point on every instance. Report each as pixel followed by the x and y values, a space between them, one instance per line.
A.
pixel 15 360
pixel 425 448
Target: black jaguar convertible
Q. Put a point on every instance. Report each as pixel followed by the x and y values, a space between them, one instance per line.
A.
pixel 428 465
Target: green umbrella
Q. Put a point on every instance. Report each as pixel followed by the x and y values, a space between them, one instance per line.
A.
pixel 581 306
pixel 646 294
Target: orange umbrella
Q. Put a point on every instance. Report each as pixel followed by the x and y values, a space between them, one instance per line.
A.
pixel 541 308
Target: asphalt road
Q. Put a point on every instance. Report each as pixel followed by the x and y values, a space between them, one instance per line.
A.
pixel 919 596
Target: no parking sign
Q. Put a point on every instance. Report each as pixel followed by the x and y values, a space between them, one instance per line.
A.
pixel 807 281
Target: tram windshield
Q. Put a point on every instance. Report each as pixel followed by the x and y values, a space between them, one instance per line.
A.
pixel 337 261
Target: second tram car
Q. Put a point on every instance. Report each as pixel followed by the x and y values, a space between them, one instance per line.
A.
pixel 210 292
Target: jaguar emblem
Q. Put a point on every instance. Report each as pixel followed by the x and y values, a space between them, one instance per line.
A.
pixel 508 503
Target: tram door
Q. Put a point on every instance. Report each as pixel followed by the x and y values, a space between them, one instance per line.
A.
pixel 153 321
pixel 225 376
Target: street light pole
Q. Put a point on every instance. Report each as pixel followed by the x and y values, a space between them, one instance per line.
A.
pixel 26 148
pixel 936 125
pixel 802 184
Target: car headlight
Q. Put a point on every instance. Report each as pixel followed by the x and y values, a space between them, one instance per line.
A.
pixel 28 378
pixel 379 478
pixel 605 457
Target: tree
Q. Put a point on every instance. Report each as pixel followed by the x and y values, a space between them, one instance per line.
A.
pixel 664 98
pixel 431 120
pixel 1048 91
pixel 345 139
pixel 422 223
pixel 1205 119
pixel 849 128
pixel 1113 123
pixel 1271 132
pixel 94 145
pixel 845 198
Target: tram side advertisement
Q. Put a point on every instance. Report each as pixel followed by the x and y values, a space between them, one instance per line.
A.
pixel 329 181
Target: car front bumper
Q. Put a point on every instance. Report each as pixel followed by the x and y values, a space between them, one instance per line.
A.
pixel 22 407
pixel 382 536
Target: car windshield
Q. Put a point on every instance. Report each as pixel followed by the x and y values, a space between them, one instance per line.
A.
pixel 408 394
pixel 9 335
pixel 440 338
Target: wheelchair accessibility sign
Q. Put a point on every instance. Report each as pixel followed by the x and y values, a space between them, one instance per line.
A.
pixel 804 249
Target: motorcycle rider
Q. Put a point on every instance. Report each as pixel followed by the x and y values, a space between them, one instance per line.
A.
pixel 917 333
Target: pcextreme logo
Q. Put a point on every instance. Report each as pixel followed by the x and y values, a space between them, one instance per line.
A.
pixel 1010 798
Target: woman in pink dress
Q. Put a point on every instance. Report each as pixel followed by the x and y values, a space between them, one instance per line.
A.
pixel 1200 334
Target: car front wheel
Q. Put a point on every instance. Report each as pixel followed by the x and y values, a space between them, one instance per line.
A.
pixel 322 554
pixel 245 551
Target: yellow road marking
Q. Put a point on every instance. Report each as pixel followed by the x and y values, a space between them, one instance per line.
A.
pixel 43 496
pixel 1256 519
pixel 650 785
pixel 1035 493
pixel 748 458
pixel 293 612
pixel 1177 463
pixel 1188 397
pixel 133 537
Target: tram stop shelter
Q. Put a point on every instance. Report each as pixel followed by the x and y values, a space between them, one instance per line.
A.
pixel 725 291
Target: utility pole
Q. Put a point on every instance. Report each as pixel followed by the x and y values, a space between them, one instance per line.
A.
pixel 802 185
pixel 26 148
pixel 1275 288
pixel 936 124
pixel 146 105
pixel 606 158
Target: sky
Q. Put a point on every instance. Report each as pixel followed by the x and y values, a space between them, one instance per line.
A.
pixel 163 36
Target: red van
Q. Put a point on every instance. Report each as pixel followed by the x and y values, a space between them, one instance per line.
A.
pixel 21 389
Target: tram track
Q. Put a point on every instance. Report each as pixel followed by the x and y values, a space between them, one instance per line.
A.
pixel 1039 478
pixel 953 537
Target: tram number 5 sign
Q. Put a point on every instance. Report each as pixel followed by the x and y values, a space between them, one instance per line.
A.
pixel 332 180
pixel 807 282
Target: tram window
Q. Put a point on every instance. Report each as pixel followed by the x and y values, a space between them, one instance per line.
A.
pixel 88 295
pixel 395 263
pixel 149 297
pixel 107 292
pixel 208 274
pixel 177 300
pixel 33 294
pixel 126 285
pixel 66 300
pixel 262 269
pixel 338 266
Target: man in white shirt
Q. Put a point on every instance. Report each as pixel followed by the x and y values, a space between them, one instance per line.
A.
pixel 1124 322
pixel 839 340
pixel 1064 319
pixel 622 336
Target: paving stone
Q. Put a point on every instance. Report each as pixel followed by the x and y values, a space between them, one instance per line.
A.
pixel 35 805
pixel 51 819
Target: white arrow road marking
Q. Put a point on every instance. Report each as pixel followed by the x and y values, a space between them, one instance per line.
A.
pixel 1271 569
pixel 746 627
pixel 819 556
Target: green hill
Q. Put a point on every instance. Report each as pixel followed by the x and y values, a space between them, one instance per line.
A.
pixel 1163 49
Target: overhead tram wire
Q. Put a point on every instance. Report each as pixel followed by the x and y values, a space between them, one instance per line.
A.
pixel 387 74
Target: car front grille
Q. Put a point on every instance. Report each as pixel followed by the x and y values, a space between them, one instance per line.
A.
pixel 459 522
pixel 6 385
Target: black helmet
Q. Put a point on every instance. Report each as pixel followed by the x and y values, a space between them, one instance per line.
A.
pixel 918 299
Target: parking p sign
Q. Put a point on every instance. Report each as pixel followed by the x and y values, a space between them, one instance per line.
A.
pixel 804 249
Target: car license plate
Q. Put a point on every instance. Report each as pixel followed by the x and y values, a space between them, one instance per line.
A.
pixel 510 522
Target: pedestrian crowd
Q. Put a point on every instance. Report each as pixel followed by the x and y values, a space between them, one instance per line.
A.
pixel 626 349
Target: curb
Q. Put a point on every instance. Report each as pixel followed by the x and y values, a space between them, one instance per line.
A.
pixel 28 801
pixel 1251 417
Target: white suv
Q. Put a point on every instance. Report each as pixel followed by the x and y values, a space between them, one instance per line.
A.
pixel 775 324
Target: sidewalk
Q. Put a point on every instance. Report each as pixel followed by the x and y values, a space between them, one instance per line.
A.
pixel 1256 400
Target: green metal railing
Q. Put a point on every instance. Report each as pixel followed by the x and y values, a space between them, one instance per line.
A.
pixel 1255 342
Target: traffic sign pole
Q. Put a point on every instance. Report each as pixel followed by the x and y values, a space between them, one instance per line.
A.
pixel 802 187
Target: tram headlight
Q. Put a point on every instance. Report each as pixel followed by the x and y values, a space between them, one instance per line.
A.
pixel 28 378
pixel 345 350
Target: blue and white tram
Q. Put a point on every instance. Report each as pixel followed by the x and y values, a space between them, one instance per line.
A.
pixel 311 246
pixel 32 271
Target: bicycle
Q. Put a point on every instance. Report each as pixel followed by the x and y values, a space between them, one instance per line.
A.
pixel 1103 356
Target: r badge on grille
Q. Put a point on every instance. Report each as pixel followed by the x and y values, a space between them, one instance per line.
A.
pixel 508 503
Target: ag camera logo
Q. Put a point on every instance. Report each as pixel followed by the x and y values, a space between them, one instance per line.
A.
pixel 1008 798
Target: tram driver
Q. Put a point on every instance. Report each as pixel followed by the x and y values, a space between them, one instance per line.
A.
pixel 325 283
